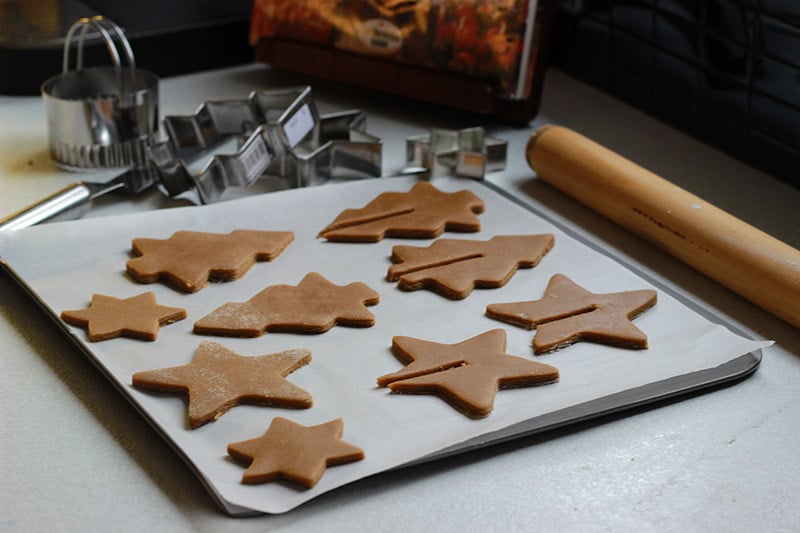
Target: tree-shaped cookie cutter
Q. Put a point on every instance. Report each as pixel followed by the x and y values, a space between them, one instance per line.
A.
pixel 278 132
pixel 103 116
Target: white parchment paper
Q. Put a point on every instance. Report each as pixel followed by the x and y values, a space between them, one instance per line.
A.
pixel 65 263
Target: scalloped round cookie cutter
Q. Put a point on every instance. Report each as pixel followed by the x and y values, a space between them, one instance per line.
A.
pixel 101 116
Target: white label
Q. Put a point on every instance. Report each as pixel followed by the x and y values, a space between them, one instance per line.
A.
pixel 254 160
pixel 299 125
pixel 380 36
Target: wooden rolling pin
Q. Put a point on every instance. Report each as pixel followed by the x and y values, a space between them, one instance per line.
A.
pixel 748 261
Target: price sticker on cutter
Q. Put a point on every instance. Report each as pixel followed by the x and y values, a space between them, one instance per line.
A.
pixel 254 159
pixel 299 125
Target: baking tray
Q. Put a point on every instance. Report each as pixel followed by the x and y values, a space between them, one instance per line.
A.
pixel 61 265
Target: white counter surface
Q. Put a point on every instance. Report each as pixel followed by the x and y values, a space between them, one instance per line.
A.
pixel 74 456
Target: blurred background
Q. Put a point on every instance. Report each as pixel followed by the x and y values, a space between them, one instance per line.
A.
pixel 724 71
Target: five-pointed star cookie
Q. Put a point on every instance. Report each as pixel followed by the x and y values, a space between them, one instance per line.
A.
pixel 453 267
pixel 188 259
pixel 467 374
pixel 313 306
pixel 218 379
pixel 423 212
pixel 295 453
pixel 568 313
pixel 137 317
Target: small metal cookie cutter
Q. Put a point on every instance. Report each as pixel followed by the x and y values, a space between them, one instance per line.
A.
pixel 466 153
pixel 101 117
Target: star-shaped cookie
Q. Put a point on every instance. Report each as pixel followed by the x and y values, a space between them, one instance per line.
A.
pixel 315 305
pixel 453 267
pixel 218 379
pixel 137 317
pixel 189 259
pixel 467 374
pixel 295 453
pixel 422 212
pixel 568 313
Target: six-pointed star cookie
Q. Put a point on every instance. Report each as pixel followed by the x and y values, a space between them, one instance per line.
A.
pixel 423 212
pixel 568 313
pixel 298 454
pixel 188 259
pixel 467 374
pixel 137 317
pixel 313 306
pixel 218 379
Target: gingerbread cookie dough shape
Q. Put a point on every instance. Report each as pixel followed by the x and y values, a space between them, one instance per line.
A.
pixel 137 317
pixel 467 374
pixel 568 313
pixel 295 453
pixel 189 259
pixel 422 212
pixel 218 379
pixel 315 305
pixel 453 268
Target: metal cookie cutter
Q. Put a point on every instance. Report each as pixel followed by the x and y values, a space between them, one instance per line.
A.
pixel 97 117
pixel 105 116
pixel 341 150
pixel 279 133
pixel 466 153
pixel 268 121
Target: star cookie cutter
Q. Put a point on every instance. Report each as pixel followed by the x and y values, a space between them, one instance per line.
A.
pixel 468 152
pixel 277 132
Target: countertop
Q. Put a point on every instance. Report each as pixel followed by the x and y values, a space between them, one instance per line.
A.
pixel 75 456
